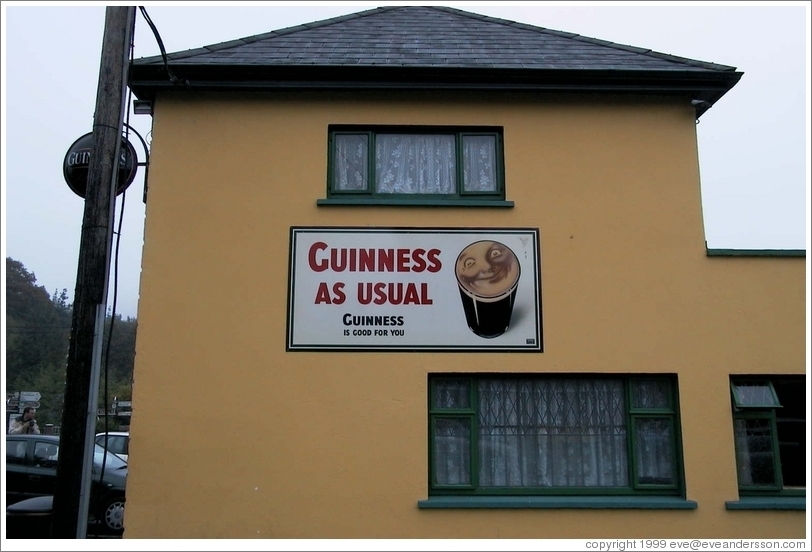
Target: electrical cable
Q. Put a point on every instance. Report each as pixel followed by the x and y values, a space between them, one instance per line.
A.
pixel 175 80
pixel 126 130
pixel 115 280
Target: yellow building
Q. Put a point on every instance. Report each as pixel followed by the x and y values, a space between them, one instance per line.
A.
pixel 420 273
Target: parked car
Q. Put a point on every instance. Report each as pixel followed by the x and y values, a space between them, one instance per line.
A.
pixel 31 462
pixel 118 442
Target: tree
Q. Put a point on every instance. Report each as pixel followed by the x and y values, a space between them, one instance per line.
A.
pixel 37 338
pixel 37 332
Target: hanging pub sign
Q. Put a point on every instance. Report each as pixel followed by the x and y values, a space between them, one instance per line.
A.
pixel 414 289
pixel 76 164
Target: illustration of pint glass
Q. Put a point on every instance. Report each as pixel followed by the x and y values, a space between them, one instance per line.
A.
pixel 488 276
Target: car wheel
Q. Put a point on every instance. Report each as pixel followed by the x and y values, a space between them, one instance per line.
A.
pixel 113 515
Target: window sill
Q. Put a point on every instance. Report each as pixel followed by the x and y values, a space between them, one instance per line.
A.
pixel 558 502
pixel 421 202
pixel 767 503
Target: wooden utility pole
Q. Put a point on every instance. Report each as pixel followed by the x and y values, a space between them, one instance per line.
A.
pixel 74 468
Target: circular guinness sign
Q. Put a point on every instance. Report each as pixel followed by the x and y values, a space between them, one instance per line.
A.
pixel 77 162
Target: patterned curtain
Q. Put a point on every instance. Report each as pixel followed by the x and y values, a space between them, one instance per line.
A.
pixel 754 452
pixel 552 433
pixel 350 162
pixel 415 164
pixel 479 163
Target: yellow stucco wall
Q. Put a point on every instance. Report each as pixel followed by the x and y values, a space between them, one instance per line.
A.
pixel 234 437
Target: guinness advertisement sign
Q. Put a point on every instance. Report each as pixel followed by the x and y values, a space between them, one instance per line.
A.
pixel 414 289
pixel 77 161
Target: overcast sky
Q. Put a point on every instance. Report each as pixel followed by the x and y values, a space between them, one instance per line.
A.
pixel 753 144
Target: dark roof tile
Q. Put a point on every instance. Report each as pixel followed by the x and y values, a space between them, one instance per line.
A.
pixel 434 37
pixel 429 48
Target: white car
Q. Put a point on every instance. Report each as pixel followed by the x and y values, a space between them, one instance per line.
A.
pixel 118 442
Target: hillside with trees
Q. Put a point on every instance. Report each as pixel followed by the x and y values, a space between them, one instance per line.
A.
pixel 38 326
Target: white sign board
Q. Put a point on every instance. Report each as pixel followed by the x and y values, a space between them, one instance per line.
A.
pixel 29 396
pixel 414 289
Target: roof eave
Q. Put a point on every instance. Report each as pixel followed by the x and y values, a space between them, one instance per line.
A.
pixel 704 86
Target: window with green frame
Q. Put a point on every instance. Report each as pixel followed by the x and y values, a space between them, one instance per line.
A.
pixel 769 424
pixel 554 435
pixel 414 162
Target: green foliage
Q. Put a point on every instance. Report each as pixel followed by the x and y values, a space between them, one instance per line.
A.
pixel 38 327
pixel 37 331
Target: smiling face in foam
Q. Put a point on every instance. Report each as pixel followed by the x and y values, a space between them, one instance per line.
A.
pixel 487 268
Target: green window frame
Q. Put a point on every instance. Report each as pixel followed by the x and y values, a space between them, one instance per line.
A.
pixel 769 429
pixel 554 435
pixel 446 165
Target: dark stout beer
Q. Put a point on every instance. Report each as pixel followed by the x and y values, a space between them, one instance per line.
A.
pixel 488 277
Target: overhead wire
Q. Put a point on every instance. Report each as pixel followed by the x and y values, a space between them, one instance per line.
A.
pixel 106 363
pixel 172 77
pixel 126 131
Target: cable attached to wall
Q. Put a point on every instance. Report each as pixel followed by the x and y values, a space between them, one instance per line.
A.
pixel 127 129
pixel 106 363
pixel 172 77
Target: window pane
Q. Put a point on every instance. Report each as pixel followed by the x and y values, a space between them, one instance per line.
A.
pixel 15 452
pixel 415 164
pixel 655 456
pixel 111 461
pixel 651 393
pixel 46 454
pixel 754 452
pixel 792 452
pixel 755 394
pixel 552 433
pixel 479 163
pixel 452 451
pixel 451 394
pixel 350 162
pixel 791 426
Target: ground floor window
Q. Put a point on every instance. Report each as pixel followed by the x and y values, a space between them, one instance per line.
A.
pixel 523 434
pixel 769 424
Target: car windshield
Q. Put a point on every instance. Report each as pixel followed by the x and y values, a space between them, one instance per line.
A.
pixel 113 462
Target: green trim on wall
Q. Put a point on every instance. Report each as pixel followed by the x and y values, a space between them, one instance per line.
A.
pixel 558 502
pixel 425 202
pixel 767 503
pixel 756 252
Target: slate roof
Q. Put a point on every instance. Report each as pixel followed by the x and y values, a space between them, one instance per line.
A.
pixel 429 47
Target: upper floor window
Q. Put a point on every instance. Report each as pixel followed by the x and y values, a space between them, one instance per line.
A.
pixel 554 435
pixel 409 163
pixel 769 424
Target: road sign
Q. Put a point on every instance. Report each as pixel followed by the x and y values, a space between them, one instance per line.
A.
pixel 32 404
pixel 29 396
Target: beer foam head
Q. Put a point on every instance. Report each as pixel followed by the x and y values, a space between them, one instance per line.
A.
pixel 487 268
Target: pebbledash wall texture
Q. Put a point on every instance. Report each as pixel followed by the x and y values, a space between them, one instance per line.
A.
pixel 329 237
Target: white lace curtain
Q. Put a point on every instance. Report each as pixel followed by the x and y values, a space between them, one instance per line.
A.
pixel 350 162
pixel 415 163
pixel 479 163
pixel 553 433
pixel 754 456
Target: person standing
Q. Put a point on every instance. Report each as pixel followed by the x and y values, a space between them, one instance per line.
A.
pixel 24 423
